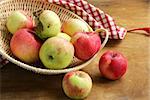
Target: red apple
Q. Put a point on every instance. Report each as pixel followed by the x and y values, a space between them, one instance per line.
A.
pixel 113 65
pixel 25 46
pixel 86 44
pixel 77 84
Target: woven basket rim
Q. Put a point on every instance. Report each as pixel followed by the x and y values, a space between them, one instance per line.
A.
pixel 50 71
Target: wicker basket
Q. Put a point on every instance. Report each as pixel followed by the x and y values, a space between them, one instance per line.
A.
pixel 30 6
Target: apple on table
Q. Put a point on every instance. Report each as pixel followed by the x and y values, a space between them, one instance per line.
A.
pixel 113 65
pixel 77 84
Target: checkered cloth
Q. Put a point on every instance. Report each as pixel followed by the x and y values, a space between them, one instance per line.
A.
pixel 95 17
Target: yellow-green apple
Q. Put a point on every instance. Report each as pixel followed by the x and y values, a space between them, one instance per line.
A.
pixel 77 84
pixel 86 44
pixel 112 65
pixel 72 26
pixel 56 53
pixel 64 35
pixel 25 45
pixel 17 20
pixel 49 24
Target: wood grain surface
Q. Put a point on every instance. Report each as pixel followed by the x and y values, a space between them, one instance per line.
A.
pixel 19 84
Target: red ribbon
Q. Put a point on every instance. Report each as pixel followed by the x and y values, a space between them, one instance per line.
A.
pixel 146 29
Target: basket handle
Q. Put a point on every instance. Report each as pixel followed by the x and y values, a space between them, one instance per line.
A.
pixel 102 30
pixel 78 67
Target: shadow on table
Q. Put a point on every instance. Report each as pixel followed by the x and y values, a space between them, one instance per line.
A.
pixel 18 83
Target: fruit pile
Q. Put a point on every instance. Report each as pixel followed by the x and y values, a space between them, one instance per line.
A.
pixel 78 84
pixel 55 44
pixel 48 40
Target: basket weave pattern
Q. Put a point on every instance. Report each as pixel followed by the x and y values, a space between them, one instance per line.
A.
pixel 30 6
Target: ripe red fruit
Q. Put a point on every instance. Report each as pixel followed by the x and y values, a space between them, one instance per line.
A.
pixel 112 65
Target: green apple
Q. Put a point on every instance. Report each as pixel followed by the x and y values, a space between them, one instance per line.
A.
pixel 64 35
pixel 72 26
pixel 77 84
pixel 18 20
pixel 56 53
pixel 49 24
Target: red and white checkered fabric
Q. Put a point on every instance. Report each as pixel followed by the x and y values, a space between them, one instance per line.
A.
pixel 92 15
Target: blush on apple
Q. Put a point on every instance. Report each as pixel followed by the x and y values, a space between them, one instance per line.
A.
pixel 25 46
pixel 77 84
pixel 56 53
pixel 17 20
pixel 86 44
pixel 72 26
pixel 112 65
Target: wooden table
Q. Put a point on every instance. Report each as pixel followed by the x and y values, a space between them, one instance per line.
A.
pixel 20 84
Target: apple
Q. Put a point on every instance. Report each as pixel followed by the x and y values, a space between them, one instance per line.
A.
pixel 64 35
pixel 49 24
pixel 86 44
pixel 77 84
pixel 72 26
pixel 17 20
pixel 56 53
pixel 112 65
pixel 25 45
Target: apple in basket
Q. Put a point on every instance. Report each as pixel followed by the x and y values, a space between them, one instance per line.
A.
pixel 49 24
pixel 56 53
pixel 25 45
pixel 64 35
pixel 18 20
pixel 77 84
pixel 74 25
pixel 86 44
pixel 112 65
